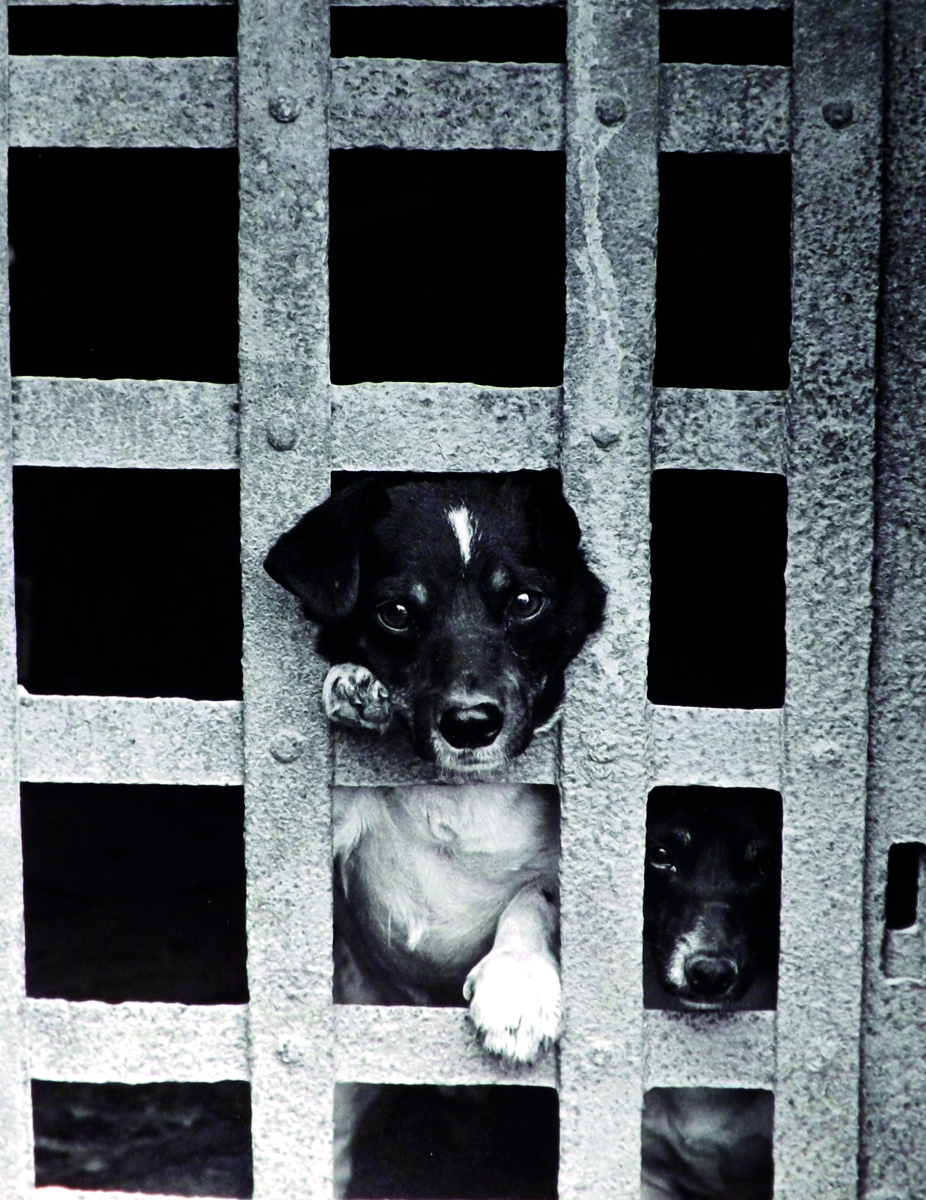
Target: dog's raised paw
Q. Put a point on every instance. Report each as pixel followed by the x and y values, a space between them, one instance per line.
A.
pixel 353 696
pixel 515 1003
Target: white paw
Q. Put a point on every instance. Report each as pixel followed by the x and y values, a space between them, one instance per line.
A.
pixel 515 1003
pixel 353 696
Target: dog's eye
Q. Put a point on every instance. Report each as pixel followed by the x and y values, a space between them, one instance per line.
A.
pixel 526 605
pixel 661 859
pixel 394 616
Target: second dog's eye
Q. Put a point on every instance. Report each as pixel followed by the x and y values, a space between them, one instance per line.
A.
pixel 526 605
pixel 661 859
pixel 394 616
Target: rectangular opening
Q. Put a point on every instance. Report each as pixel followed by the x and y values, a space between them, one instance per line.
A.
pixel 713 1142
pixel 514 34
pixel 134 893
pixel 447 265
pixel 128 582
pixel 905 863
pixel 182 1139
pixel 723 272
pixel 124 263
pixel 114 30
pixel 758 36
pixel 711 899
pixel 449 1143
pixel 717 609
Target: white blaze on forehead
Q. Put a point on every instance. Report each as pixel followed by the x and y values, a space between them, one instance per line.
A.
pixel 464 526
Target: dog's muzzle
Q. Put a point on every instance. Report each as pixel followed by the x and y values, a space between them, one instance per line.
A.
pixel 471 727
pixel 710 976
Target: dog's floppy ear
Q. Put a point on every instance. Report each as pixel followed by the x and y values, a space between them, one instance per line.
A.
pixel 557 525
pixel 319 559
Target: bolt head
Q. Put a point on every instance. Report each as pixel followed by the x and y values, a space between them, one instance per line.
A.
pixel 284 107
pixel 282 433
pixel 838 113
pixel 287 746
pixel 611 110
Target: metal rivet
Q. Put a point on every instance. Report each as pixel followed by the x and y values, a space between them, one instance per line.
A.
pixel 611 110
pixel 281 433
pixel 285 108
pixel 287 746
pixel 838 113
pixel 604 436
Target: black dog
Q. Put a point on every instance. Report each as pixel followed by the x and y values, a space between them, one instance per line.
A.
pixel 711 898
pixel 455 603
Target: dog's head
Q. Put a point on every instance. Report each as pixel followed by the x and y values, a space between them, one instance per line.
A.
pixel 466 596
pixel 712 893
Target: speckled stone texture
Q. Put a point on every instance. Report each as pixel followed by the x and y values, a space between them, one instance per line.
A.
pixel 893 1159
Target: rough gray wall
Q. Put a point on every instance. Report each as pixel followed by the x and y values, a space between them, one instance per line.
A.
pixel 893 1160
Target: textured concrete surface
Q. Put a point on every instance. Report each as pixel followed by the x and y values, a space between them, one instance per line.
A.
pixel 122 102
pixel 893 1159
pixel 444 427
pixel 734 1049
pixel 411 1045
pixel 723 109
pixel 835 249
pixel 124 423
pixel 719 430
pixel 124 739
pixel 612 130
pixel 285 406
pixel 134 1042
pixel 716 747
pixel 412 105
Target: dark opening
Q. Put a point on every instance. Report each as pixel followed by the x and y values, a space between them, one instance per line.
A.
pixel 184 1139
pixel 515 34
pixel 711 899
pixel 707 1141
pixel 125 263
pixel 455 1143
pixel 128 582
pixel 903 872
pixel 114 30
pixel 717 609
pixel 723 274
pixel 134 892
pixel 447 266
pixel 759 36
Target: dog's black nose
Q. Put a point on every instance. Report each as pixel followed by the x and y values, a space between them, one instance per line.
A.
pixel 710 974
pixel 469 728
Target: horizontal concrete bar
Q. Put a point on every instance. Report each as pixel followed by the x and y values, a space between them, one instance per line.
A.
pixel 63 1193
pixel 397 103
pixel 708 1050
pixel 124 423
pixel 93 1042
pixel 421 1045
pixel 122 102
pixel 718 747
pixel 723 430
pixel 125 739
pixel 443 427
pixel 723 108
pixel 420 105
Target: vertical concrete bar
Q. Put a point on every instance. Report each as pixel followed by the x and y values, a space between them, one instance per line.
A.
pixel 16 1163
pixel 836 112
pixel 612 91
pixel 893 1160
pixel 283 60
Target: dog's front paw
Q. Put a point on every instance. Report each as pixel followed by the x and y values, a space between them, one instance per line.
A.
pixel 353 696
pixel 515 1003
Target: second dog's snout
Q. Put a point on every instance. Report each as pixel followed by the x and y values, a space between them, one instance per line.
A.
pixel 471 727
pixel 710 974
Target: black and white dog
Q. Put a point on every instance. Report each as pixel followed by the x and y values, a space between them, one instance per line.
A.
pixel 711 898
pixel 455 604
